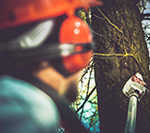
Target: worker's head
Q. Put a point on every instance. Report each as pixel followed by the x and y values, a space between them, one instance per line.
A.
pixel 37 30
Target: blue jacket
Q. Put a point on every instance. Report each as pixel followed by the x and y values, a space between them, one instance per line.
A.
pixel 25 109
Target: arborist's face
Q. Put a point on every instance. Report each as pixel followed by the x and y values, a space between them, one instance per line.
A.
pixel 69 88
pixel 65 86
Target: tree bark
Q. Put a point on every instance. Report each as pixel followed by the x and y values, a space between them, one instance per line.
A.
pixel 120 52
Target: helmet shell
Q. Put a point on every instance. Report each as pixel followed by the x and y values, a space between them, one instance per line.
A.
pixel 17 12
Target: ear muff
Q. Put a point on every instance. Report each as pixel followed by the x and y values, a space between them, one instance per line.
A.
pixel 74 47
pixel 75 31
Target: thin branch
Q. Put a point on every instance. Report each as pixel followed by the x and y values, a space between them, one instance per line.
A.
pixel 112 55
pixel 88 84
pixel 121 55
pixel 81 114
pixel 110 21
pixel 87 69
pixel 86 100
pixel 97 33
pixel 61 130
pixel 98 17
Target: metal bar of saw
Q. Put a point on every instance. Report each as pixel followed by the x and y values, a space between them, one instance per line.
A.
pixel 131 116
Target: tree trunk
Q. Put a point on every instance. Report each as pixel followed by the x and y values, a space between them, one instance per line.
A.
pixel 120 52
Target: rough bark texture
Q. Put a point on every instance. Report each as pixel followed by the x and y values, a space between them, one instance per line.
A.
pixel 117 30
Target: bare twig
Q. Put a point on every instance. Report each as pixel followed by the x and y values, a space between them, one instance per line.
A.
pixel 112 55
pixel 86 100
pixel 98 17
pixel 109 21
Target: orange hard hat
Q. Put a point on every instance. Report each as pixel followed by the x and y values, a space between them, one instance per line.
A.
pixel 75 31
pixel 17 12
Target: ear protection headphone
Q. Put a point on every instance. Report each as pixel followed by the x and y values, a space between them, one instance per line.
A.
pixel 74 46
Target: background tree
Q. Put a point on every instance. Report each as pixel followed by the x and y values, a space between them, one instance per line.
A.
pixel 86 104
pixel 120 52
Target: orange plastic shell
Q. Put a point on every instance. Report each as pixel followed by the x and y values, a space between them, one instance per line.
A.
pixel 17 12
pixel 75 31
